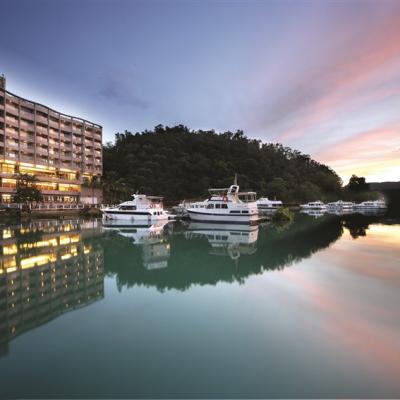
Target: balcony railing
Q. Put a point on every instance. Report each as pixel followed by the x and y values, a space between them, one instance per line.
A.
pixel 41 119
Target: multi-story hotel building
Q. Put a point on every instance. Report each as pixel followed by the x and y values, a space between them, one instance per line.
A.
pixel 62 151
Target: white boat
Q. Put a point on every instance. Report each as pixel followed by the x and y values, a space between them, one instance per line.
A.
pixel 182 208
pixel 314 205
pixel 227 206
pixel 266 204
pixel 371 205
pixel 340 205
pixel 141 207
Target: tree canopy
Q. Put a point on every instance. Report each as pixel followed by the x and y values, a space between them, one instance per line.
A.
pixel 180 163
pixel 26 190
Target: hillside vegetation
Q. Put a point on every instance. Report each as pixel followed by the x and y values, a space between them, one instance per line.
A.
pixel 179 163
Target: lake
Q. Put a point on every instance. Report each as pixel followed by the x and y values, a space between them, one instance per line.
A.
pixel 308 309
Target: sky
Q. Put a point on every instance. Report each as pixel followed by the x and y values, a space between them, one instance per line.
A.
pixel 320 76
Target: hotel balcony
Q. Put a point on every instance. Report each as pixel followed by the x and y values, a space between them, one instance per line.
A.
pixel 41 108
pixel 26 136
pixel 12 110
pixel 29 127
pixel 12 145
pixel 53 124
pixel 26 158
pixel 41 140
pixel 27 148
pixel 27 115
pixel 76 129
pixel 41 119
pixel 42 129
pixel 12 121
pixel 41 150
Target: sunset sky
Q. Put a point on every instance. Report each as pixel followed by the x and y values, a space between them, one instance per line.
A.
pixel 319 76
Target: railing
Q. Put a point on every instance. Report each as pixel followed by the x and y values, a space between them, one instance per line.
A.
pixel 50 206
pixel 56 206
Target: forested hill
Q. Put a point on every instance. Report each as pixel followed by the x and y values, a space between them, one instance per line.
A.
pixel 182 164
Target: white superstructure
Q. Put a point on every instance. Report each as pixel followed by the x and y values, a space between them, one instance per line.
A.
pixel 314 205
pixel 266 204
pixel 227 205
pixel 141 207
pixel 340 205
pixel 371 205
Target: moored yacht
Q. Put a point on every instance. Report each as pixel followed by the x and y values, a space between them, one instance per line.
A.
pixel 341 205
pixel 266 204
pixel 227 205
pixel 182 208
pixel 314 205
pixel 371 205
pixel 141 207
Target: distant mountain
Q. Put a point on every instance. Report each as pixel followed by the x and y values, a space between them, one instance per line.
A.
pixel 384 185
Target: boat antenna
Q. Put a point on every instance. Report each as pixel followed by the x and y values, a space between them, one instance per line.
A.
pixel 235 180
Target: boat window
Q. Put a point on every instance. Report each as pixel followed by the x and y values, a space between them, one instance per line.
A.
pixel 128 208
pixel 234 212
pixel 245 212
pixel 224 205
pixel 218 206
pixel 210 205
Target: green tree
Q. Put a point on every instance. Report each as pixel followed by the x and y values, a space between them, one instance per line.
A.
pixel 357 184
pixel 27 191
pixel 179 163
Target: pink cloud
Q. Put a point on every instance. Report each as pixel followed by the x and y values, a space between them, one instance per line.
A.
pixel 366 153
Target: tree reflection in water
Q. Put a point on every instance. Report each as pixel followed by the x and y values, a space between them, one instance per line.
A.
pixel 201 254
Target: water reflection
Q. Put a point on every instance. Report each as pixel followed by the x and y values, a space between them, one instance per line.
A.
pixel 47 268
pixel 155 249
pixel 50 267
pixel 193 251
pixel 340 297
pixel 231 240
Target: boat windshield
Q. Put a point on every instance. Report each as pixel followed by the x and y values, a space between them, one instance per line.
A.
pixel 247 197
pixel 218 192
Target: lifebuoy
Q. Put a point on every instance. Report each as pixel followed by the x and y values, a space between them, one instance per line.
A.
pixel 151 205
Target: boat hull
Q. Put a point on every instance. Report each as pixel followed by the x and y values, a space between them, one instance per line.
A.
pixel 134 216
pixel 223 218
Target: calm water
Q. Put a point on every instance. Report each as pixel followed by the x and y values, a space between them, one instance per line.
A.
pixel 305 310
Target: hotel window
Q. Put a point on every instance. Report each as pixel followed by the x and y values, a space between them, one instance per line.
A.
pixel 8 168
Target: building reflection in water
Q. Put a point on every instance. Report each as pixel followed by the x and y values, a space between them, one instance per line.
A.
pixel 231 240
pixel 47 268
pixel 150 238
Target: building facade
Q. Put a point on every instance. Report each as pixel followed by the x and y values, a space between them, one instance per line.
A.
pixel 62 151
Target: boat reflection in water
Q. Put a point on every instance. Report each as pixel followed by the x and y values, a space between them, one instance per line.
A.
pixel 314 213
pixel 47 268
pixel 226 239
pixel 151 239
